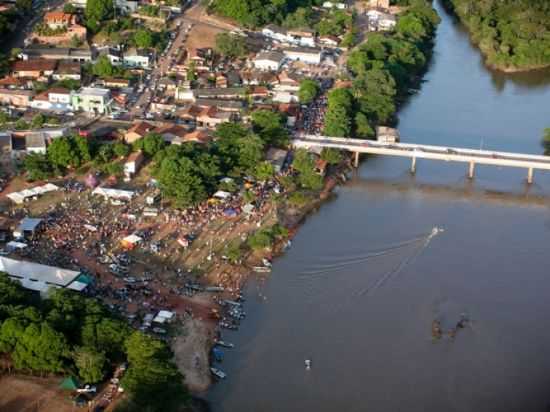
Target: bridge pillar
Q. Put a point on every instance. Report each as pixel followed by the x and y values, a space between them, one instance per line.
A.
pixel 471 169
pixel 530 175
pixel 413 165
pixel 356 160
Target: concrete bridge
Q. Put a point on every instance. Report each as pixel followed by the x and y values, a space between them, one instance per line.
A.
pixel 419 151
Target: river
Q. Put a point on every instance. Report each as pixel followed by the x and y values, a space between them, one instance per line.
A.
pixel 363 281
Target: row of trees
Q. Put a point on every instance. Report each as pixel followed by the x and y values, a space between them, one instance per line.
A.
pixel 512 34
pixel 68 333
pixel 383 69
pixel 72 152
pixel 255 13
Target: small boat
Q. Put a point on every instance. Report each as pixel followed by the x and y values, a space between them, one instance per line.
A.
pixel 218 373
pixel 308 364
pixel 261 269
pixel 224 344
pixel 229 326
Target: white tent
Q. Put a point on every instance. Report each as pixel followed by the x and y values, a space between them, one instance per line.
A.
pixel 113 193
pixel 19 197
pixel 220 194
pixel 164 316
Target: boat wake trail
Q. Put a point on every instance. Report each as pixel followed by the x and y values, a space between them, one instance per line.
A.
pixel 405 262
pixel 363 258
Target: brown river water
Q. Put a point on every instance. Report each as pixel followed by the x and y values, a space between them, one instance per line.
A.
pixel 365 277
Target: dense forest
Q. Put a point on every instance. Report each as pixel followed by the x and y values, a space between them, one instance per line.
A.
pixel 383 69
pixel 255 13
pixel 512 34
pixel 68 334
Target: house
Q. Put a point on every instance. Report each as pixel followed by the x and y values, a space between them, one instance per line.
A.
pixel 115 83
pixel 199 57
pixel 67 70
pixel 379 4
pixel 223 93
pixel 329 41
pixel 285 97
pixel 34 69
pixel 302 37
pixel 57 53
pixel 270 60
pixel 167 83
pixel 222 104
pixel 57 20
pixel 18 98
pixel 275 33
pixel 35 142
pixel 257 77
pixel 198 136
pixel 133 163
pixel 172 133
pixel 127 6
pixel 27 228
pixel 114 55
pixel 259 92
pixel 11 82
pixel 211 117
pixel 221 81
pixel 233 78
pixel 303 54
pixel 5 144
pixel 137 58
pixel 92 100
pixel 387 134
pixel 54 99
pixel 380 20
pixel 189 114
pixel 287 82
pixel 185 94
pixel 137 131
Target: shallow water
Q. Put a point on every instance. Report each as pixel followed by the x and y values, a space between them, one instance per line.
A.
pixel 361 285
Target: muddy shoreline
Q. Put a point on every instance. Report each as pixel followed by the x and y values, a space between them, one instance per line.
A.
pixel 197 336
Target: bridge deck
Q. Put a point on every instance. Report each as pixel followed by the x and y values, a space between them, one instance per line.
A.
pixel 450 154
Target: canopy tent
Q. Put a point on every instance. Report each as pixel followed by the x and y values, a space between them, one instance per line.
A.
pixel 220 194
pixel 164 316
pixel 80 283
pixel 113 193
pixel 230 212
pixel 70 384
pixel 19 197
pixel 28 224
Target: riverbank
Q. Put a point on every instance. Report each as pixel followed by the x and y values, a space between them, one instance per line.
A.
pixel 197 335
pixel 484 29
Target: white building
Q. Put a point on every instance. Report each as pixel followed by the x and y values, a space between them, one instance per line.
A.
pixel 303 54
pixel 380 21
pixel 271 60
pixel 92 100
pixel 137 58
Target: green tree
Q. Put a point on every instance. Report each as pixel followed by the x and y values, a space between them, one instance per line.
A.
pixel 41 348
pixel 331 156
pixel 152 375
pixel 11 291
pixel 304 164
pixel 62 152
pixel 96 12
pixel 21 124
pixel 90 363
pixel 105 153
pixel 152 144
pixel 24 6
pixel 264 171
pixel 69 8
pixel 309 89
pixel 230 45
pixel 121 149
pixel 38 121
pixel 179 179
pixel 270 126
pixel 37 166
pixel 546 141
pixel 103 67
pixel 363 128
pixel 143 38
pixel 83 147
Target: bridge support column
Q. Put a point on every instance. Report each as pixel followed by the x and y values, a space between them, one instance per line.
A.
pixel 356 160
pixel 413 165
pixel 530 175
pixel 471 169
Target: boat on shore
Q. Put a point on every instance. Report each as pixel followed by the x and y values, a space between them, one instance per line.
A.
pixel 218 373
pixel 261 269
pixel 224 344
